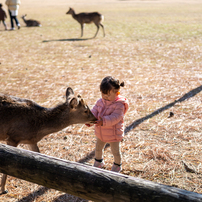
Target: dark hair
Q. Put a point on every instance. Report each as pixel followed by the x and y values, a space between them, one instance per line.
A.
pixel 0 5
pixel 109 83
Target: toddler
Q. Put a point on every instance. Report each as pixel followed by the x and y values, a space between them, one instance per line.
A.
pixel 110 111
pixel 3 16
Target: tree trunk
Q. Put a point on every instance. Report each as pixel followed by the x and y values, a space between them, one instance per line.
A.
pixel 86 181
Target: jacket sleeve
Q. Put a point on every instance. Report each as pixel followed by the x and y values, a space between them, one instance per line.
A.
pixel 114 117
pixel 95 111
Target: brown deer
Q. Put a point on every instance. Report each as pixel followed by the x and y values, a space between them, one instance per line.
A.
pixel 83 18
pixel 24 121
pixel 30 22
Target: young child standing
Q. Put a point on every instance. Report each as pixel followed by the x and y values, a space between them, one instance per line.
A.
pixel 13 6
pixel 3 16
pixel 110 111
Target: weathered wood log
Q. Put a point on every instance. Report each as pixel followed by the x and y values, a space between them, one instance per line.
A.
pixel 86 181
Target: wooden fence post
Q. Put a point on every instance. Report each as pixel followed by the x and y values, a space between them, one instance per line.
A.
pixel 86 181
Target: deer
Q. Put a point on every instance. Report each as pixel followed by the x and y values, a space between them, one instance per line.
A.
pixel 22 121
pixel 31 23
pixel 87 18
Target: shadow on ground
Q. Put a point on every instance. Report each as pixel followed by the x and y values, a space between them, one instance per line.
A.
pixel 72 39
pixel 32 196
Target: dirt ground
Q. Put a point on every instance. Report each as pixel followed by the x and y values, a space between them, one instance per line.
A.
pixel 153 46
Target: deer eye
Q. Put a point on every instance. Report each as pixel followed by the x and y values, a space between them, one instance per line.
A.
pixel 86 111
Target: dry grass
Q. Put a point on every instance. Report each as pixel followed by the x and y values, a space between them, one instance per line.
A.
pixel 154 46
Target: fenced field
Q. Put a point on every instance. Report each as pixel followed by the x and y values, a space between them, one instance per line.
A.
pixel 154 46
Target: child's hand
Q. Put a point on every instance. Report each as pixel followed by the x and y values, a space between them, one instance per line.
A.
pixel 99 122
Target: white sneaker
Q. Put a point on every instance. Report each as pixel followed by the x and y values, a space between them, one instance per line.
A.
pixel 116 168
pixel 99 164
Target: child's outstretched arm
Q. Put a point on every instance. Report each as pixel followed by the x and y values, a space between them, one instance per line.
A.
pixel 95 113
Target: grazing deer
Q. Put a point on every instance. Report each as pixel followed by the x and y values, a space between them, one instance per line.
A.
pixel 31 23
pixel 83 18
pixel 24 121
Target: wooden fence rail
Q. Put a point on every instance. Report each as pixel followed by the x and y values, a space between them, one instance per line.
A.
pixel 86 181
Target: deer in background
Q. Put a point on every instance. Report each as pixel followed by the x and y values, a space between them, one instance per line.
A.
pixel 31 23
pixel 24 121
pixel 87 18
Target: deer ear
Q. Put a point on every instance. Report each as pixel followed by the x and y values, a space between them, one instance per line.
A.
pixel 82 102
pixel 69 92
pixel 74 103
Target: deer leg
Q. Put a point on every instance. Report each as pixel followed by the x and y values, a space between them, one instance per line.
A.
pixel 4 177
pixel 98 27
pixel 103 29
pixel 81 30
